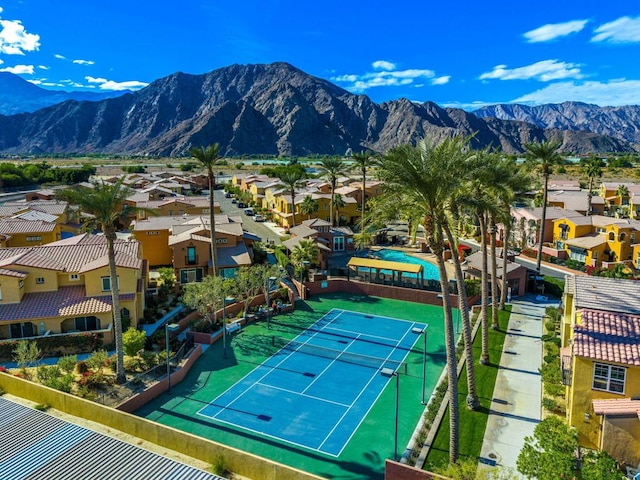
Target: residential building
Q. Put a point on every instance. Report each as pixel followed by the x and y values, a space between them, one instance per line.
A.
pixel 600 353
pixel 577 201
pixel 526 230
pixel 64 287
pixel 23 233
pixel 516 273
pixel 177 205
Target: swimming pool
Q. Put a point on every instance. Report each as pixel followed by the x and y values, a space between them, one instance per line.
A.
pixel 429 269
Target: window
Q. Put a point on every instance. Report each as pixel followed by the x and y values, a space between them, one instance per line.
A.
pixel 74 277
pixel 612 236
pixel 22 330
pixel 190 275
pixel 0 294
pixel 106 283
pixel 34 239
pixel 205 210
pixel 338 244
pixel 86 324
pixel 622 236
pixel 40 280
pixel 192 258
pixel 609 378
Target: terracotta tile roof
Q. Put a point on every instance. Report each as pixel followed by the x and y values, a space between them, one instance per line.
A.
pixel 618 406
pixel 14 226
pixel 12 273
pixel 608 294
pixel 607 336
pixel 65 302
pixel 72 254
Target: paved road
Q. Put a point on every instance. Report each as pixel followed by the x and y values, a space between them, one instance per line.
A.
pixel 250 225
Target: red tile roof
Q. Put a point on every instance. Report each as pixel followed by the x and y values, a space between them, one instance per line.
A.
pixel 611 337
pixel 65 302
pixel 619 406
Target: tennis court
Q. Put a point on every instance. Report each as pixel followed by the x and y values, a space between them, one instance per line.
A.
pixel 316 390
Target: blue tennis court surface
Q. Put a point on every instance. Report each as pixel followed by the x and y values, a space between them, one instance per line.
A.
pixel 317 389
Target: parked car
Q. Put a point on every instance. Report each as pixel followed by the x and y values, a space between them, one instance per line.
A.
pixel 258 217
pixel 240 205
pixel 234 200
pixel 228 195
pixel 248 211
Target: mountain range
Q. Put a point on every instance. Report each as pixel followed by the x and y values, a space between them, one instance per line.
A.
pixel 19 96
pixel 266 109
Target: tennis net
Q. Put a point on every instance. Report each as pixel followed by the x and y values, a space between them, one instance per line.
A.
pixel 377 363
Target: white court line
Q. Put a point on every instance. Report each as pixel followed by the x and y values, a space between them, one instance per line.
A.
pixel 326 400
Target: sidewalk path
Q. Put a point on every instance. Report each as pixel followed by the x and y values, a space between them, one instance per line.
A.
pixel 516 404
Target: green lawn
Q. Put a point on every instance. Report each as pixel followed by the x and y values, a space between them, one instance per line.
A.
pixel 472 423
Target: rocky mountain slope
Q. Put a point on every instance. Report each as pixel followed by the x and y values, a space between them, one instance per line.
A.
pixel 618 122
pixel 19 96
pixel 270 109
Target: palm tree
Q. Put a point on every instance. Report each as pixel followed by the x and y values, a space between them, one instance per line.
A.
pixel 104 204
pixel 209 157
pixel 338 202
pixel 592 169
pixel 622 192
pixel 544 156
pixel 309 206
pixel 292 178
pixel 429 173
pixel 331 169
pixel 361 162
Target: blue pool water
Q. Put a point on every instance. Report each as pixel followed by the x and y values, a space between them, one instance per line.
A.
pixel 429 269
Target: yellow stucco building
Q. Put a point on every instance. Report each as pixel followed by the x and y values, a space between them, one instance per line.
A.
pixel 601 363
pixel 64 288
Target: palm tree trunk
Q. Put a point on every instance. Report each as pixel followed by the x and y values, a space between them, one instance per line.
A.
pixel 452 364
pixel 472 396
pixel 505 247
pixel 212 226
pixel 364 184
pixel 115 303
pixel 293 207
pixel 484 290
pixel 333 188
pixel 544 219
pixel 590 196
pixel 494 277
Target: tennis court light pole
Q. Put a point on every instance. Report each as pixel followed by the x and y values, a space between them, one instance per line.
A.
pixel 423 332
pixel 271 281
pixel 389 372
pixel 169 327
pixel 225 302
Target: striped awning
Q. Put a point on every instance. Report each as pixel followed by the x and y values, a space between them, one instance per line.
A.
pixel 618 406
pixel 384 265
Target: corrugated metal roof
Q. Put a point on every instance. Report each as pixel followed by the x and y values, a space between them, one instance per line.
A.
pixel 37 446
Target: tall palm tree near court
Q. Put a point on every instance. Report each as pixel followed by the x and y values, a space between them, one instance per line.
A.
pixel 309 206
pixel 362 161
pixel 209 157
pixel 429 173
pixel 543 156
pixel 292 179
pixel 338 203
pixel 104 205
pixel 331 169
pixel 592 170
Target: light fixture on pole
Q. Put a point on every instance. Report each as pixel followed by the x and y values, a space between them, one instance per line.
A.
pixel 388 372
pixel 225 302
pixel 169 327
pixel 423 332
pixel 270 282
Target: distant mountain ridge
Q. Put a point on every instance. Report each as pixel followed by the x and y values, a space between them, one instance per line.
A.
pixel 19 96
pixel 618 122
pixel 262 109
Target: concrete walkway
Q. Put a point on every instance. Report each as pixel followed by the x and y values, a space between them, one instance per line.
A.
pixel 516 404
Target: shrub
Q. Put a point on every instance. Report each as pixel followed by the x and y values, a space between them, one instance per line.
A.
pixel 550 404
pixel 68 363
pixel 133 341
pixel 98 359
pixel 150 359
pixel 83 367
pixel 133 364
pixel 43 407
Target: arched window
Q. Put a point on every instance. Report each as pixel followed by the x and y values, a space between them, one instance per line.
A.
pixel 622 236
pixel 612 236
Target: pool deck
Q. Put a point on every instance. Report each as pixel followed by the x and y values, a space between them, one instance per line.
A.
pixel 415 252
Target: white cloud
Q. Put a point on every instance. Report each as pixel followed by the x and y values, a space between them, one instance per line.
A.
pixel 544 71
pixel 622 30
pixel 388 76
pixel 19 69
pixel 43 67
pixel 14 39
pixel 105 84
pixel 552 31
pixel 467 106
pixel 441 80
pixel 383 65
pixel 84 62
pixel 60 57
pixel 611 93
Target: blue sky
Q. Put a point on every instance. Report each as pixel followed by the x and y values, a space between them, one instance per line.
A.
pixel 460 54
